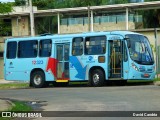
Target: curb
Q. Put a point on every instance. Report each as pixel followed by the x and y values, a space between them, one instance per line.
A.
pixel 157 83
pixel 6 105
pixel 2 81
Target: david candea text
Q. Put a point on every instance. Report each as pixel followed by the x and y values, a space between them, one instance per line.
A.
pixel 145 114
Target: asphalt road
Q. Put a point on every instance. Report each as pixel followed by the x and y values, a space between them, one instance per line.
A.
pixel 109 98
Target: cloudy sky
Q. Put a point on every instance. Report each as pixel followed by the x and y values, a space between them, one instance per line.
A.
pixel 6 0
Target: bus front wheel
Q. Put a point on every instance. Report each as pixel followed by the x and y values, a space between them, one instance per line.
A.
pixel 38 79
pixel 97 78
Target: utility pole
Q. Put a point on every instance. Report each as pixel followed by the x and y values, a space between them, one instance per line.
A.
pixel 89 19
pixel 31 19
pixel 155 33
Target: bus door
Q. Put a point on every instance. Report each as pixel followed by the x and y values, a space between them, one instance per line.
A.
pixel 62 55
pixel 115 65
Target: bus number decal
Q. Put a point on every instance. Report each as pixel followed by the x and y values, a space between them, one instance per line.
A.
pixel 37 62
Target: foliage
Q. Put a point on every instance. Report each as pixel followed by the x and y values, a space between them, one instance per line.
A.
pixel 20 2
pixel 21 106
pixel 46 25
pixel 5 8
pixel 43 4
pixel 13 85
pixel 4 27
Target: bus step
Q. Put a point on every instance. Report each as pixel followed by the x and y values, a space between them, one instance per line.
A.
pixel 117 75
pixel 115 78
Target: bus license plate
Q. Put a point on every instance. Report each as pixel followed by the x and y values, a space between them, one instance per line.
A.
pixel 146 75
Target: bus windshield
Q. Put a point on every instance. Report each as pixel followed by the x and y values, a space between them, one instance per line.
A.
pixel 140 50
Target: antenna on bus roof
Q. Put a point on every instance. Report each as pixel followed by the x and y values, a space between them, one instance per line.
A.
pixel 45 34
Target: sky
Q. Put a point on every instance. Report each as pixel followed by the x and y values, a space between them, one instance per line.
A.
pixel 6 0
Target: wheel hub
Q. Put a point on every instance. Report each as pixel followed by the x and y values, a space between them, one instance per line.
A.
pixel 95 78
pixel 37 79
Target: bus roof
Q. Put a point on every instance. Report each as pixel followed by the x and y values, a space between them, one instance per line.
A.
pixel 50 36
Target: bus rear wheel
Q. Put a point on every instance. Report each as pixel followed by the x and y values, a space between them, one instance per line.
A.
pixel 97 78
pixel 38 79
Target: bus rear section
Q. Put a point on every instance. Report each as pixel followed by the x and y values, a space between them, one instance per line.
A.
pixel 25 59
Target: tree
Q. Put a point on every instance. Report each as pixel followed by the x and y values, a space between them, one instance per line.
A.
pixel 5 28
pixel 20 2
pixel 5 8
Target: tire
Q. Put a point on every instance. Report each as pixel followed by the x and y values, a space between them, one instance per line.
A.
pixel 38 79
pixel 97 78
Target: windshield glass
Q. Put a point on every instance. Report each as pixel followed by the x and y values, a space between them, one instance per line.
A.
pixel 139 49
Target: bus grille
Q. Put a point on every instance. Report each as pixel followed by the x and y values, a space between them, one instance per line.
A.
pixel 149 70
pixel 142 69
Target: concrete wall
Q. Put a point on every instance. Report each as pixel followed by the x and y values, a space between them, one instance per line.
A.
pixel 20 26
pixel 1 58
pixel 1 68
pixel 1 47
pixel 23 8
pixel 77 28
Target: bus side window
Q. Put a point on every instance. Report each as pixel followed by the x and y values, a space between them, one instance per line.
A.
pixel 77 46
pixel 45 48
pixel 28 49
pixel 11 50
pixel 95 45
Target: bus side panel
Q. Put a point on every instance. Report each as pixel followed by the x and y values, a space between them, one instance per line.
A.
pixel 80 67
pixel 48 68
pixel 20 69
pixel 15 69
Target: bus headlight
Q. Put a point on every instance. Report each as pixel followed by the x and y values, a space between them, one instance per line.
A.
pixel 135 67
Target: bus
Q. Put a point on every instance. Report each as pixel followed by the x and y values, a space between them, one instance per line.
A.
pixel 94 57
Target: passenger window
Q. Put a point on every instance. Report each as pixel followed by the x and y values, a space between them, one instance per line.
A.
pixel 27 49
pixel 77 46
pixel 45 48
pixel 11 50
pixel 95 45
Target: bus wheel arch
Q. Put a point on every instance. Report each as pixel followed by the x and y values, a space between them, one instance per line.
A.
pixel 96 76
pixel 37 78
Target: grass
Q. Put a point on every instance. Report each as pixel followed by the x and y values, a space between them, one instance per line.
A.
pixel 154 80
pixel 19 107
pixel 14 85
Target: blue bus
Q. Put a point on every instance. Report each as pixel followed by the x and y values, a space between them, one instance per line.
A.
pixel 94 57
